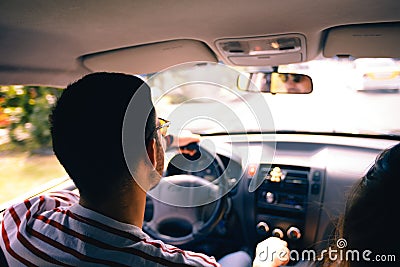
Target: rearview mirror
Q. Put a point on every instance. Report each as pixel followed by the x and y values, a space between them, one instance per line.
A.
pixel 275 83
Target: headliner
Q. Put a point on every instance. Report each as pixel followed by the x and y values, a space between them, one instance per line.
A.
pixel 42 42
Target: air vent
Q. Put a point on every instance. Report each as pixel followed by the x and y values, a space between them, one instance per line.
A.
pixel 296 177
pixel 291 173
pixel 296 181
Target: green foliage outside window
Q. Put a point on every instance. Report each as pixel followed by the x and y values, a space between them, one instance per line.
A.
pixel 24 113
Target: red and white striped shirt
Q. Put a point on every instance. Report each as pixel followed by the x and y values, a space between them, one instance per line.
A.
pixel 54 230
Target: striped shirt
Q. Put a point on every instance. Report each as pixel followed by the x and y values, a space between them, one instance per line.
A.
pixel 54 230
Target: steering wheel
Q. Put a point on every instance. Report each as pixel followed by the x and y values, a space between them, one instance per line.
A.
pixel 181 201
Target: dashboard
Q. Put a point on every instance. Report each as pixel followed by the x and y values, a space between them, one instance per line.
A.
pixel 292 186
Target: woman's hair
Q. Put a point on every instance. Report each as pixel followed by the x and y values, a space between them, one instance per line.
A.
pixel 370 220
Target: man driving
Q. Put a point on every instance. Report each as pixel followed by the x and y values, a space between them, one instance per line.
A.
pixel 113 163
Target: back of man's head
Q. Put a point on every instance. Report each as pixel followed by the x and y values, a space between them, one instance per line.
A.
pixel 87 130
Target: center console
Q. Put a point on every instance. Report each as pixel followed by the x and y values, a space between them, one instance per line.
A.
pixel 287 203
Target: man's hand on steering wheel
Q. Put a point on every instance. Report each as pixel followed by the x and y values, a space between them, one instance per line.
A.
pixel 184 139
pixel 180 196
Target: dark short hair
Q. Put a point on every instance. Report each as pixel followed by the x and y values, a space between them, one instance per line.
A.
pixel 87 130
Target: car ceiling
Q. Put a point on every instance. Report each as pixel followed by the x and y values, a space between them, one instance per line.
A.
pixel 43 42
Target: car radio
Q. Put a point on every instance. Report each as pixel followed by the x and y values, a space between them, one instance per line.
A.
pixel 283 188
pixel 281 202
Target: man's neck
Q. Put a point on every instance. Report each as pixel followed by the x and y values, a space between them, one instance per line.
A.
pixel 128 208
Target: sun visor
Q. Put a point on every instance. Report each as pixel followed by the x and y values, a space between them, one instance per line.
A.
pixel 149 58
pixel 367 40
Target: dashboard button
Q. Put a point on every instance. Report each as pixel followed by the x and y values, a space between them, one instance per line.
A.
pixel 263 227
pixel 293 233
pixel 277 233
pixel 316 176
pixel 269 197
pixel 315 188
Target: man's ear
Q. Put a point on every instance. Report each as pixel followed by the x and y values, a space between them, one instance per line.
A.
pixel 152 151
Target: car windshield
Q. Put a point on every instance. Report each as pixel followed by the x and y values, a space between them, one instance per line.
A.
pixel 351 97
